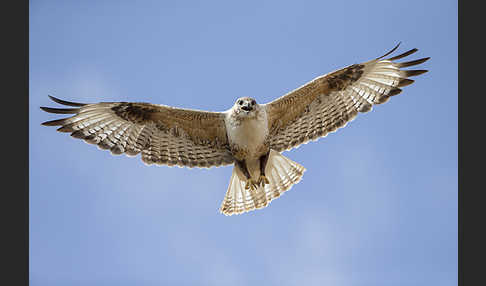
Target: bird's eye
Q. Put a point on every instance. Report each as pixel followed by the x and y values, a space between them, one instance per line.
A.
pixel 253 102
pixel 240 102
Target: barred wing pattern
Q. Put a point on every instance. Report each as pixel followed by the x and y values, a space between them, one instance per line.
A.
pixel 163 134
pixel 330 101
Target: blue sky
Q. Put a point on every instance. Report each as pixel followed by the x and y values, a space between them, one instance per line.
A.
pixel 377 205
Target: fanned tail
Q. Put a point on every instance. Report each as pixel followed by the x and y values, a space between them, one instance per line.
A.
pixel 281 172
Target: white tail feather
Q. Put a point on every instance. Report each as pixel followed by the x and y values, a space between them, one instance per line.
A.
pixel 280 171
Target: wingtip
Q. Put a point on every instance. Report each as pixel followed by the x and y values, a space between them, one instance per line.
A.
pixel 398 45
pixel 60 110
pixel 391 51
pixel 412 63
pixel 48 123
pixel 64 102
pixel 55 99
pixel 407 53
pixel 414 72
pixel 43 108
pixel 404 82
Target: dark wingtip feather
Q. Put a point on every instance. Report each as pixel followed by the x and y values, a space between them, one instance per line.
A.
pixel 392 50
pixel 405 82
pixel 60 110
pixel 414 72
pixel 56 122
pixel 407 53
pixel 412 63
pixel 68 103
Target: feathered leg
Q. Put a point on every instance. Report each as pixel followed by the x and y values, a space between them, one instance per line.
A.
pixel 263 164
pixel 250 184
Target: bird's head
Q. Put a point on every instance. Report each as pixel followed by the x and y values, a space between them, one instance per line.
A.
pixel 246 106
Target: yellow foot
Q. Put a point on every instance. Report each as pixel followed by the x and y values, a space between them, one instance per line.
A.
pixel 263 181
pixel 250 184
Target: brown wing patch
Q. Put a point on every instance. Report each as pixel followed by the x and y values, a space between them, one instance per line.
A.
pixel 290 106
pixel 341 79
pixel 136 113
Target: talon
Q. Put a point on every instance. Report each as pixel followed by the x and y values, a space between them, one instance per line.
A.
pixel 247 185
pixel 263 181
pixel 254 185
pixel 251 184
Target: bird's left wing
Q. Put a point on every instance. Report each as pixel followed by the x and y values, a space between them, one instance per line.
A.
pixel 330 101
pixel 163 134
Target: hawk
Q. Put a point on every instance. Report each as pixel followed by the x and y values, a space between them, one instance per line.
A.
pixel 249 135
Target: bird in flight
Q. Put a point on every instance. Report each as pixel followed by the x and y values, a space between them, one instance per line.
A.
pixel 249 135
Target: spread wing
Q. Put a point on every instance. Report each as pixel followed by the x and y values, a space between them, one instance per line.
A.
pixel 330 101
pixel 163 134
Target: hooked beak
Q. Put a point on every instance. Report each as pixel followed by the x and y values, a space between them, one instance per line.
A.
pixel 247 108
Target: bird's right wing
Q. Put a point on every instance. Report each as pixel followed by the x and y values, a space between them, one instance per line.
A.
pixel 163 134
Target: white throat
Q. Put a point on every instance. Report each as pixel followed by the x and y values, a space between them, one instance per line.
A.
pixel 248 133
